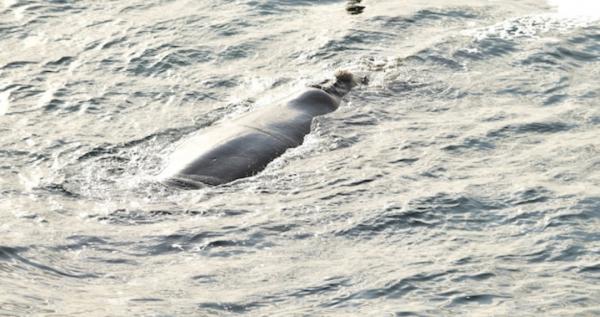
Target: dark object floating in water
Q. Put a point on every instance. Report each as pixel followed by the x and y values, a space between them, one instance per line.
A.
pixel 354 8
pixel 244 147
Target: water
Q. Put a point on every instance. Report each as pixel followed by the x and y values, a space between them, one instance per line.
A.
pixel 462 181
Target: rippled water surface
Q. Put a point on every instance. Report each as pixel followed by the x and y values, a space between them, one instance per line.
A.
pixel 463 180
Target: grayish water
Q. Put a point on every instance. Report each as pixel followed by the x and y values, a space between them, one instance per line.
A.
pixel 462 181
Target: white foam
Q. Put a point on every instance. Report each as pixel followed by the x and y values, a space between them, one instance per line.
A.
pixel 587 9
pixel 9 3
pixel 19 12
pixel 48 95
pixel 525 27
pixel 565 16
pixel 4 102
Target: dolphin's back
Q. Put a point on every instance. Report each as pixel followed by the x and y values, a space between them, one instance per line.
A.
pixel 249 152
pixel 223 153
pixel 244 147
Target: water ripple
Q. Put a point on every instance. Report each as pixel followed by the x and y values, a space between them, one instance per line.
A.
pixel 461 180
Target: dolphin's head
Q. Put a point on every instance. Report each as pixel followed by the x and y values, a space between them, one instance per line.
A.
pixel 344 82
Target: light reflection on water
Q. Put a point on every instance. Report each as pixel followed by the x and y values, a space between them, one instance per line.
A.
pixel 463 180
pixel 577 8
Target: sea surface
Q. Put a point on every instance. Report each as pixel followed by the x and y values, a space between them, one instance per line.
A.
pixel 462 180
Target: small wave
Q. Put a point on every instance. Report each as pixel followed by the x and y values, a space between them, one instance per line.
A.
pixel 470 144
pixel 355 41
pixel 391 289
pixel 590 269
pixel 476 299
pixel 230 306
pixel 486 48
pixel 8 253
pixel 276 7
pixel 529 128
pixel 223 243
pixel 424 17
pixel 428 212
pixel 529 196
pixel 17 64
pixel 579 50
pixel 231 27
pixel 237 51
pixel 328 287
pixel 165 57
pixel 585 210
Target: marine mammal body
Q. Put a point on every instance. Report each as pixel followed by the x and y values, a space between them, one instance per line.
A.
pixel 243 147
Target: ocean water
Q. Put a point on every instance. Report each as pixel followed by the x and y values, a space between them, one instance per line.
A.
pixel 463 180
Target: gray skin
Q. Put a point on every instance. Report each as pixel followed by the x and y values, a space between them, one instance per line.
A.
pixel 243 147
